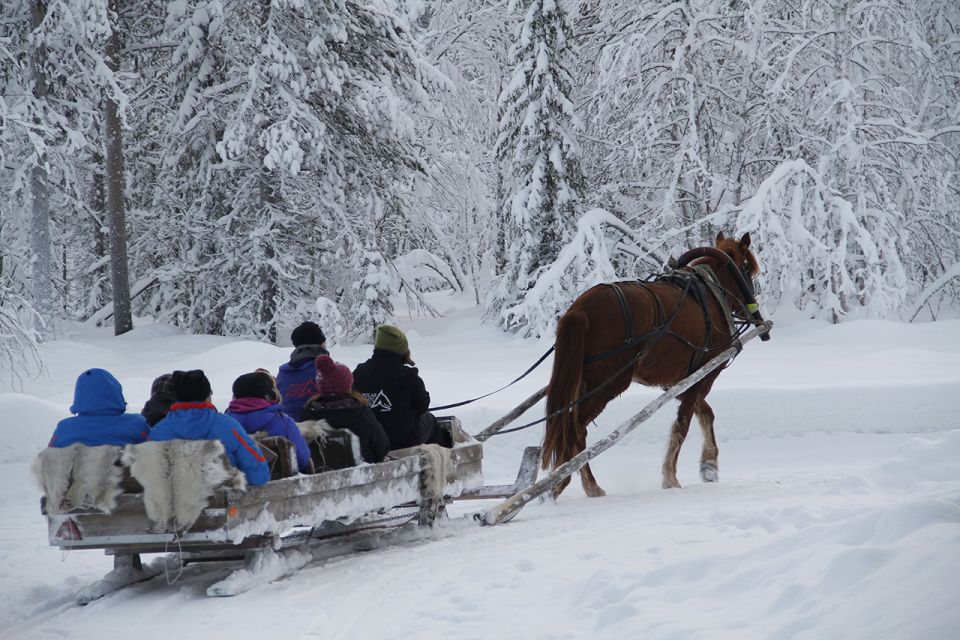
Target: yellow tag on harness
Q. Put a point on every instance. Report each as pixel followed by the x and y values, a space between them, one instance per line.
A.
pixel 753 307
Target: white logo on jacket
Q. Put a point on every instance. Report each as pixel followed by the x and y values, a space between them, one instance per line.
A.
pixel 379 401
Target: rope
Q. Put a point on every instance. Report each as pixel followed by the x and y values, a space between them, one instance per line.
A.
pixel 166 566
pixel 515 380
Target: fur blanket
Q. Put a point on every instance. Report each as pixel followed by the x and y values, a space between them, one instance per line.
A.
pixel 79 477
pixel 179 477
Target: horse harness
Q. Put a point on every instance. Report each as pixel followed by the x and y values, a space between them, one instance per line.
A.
pixel 700 282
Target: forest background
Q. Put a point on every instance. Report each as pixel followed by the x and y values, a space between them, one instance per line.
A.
pixel 233 167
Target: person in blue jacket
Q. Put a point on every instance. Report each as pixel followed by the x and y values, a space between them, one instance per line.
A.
pixel 193 417
pixel 255 405
pixel 100 415
pixel 296 380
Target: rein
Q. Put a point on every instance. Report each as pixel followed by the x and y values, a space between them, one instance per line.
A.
pixel 515 380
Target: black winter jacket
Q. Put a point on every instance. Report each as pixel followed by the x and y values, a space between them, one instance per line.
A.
pixel 396 394
pixel 343 411
pixel 156 407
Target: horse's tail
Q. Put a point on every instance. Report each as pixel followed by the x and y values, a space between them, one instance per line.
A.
pixel 560 437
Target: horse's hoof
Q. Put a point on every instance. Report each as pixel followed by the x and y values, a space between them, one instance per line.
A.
pixel 708 472
pixel 596 492
pixel 670 484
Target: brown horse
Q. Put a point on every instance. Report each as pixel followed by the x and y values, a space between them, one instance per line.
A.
pixel 655 333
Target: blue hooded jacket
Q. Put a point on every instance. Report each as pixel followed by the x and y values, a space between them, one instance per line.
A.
pixel 297 379
pixel 258 414
pixel 100 415
pixel 200 421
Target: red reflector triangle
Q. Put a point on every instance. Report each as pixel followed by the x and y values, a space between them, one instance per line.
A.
pixel 69 531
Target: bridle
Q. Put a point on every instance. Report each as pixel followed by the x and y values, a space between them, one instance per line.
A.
pixel 741 276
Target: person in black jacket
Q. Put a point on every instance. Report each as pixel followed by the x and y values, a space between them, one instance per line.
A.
pixel 343 408
pixel 161 397
pixel 397 394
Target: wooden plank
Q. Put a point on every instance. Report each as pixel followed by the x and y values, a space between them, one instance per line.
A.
pixel 279 514
pixel 326 481
pixel 506 510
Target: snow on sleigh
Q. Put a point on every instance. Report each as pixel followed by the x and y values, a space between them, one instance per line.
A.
pixel 182 496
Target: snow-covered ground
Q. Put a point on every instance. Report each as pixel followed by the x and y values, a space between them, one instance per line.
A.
pixel 837 514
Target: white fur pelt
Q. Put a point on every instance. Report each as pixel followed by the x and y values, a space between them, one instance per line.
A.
pixel 315 429
pixel 79 477
pixel 434 477
pixel 179 477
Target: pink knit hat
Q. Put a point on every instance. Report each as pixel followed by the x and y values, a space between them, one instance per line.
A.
pixel 332 377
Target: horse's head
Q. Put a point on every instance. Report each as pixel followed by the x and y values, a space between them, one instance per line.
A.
pixel 741 256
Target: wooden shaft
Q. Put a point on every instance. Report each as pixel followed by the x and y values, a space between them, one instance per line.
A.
pixel 510 417
pixel 508 508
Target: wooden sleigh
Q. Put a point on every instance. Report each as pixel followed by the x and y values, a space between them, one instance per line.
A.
pixel 276 528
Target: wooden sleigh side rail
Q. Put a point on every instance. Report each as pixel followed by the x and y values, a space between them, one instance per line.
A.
pixel 506 510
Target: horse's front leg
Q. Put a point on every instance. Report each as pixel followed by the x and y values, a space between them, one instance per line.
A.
pixel 678 433
pixel 708 457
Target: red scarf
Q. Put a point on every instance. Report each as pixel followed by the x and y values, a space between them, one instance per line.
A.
pixel 176 406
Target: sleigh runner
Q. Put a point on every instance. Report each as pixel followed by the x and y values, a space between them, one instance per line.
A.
pixel 112 513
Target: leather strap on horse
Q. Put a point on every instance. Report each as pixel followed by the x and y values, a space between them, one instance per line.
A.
pixel 630 341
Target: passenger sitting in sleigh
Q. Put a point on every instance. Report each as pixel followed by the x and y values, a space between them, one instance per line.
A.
pixel 396 393
pixel 341 407
pixel 296 379
pixel 255 405
pixel 192 417
pixel 100 415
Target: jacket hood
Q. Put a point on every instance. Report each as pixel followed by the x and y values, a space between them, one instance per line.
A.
pixel 305 354
pixel 245 405
pixel 98 393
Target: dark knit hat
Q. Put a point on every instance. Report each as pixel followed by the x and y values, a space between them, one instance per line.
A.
pixel 332 377
pixel 392 339
pixel 190 386
pixel 258 384
pixel 160 386
pixel 307 333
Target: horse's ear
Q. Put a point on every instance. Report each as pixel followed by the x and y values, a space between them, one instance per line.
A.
pixel 719 236
pixel 745 240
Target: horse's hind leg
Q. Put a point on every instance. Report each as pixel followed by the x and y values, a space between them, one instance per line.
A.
pixel 590 486
pixel 708 457
pixel 678 433
pixel 590 410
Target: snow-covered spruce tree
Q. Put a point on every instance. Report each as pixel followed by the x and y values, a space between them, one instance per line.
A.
pixel 371 295
pixel 537 147
pixel 288 111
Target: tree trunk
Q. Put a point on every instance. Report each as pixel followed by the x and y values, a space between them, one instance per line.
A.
pixel 113 146
pixel 269 187
pixel 42 288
